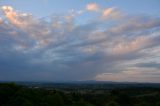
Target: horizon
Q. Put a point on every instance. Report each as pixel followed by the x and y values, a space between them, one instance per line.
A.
pixel 75 40
pixel 78 82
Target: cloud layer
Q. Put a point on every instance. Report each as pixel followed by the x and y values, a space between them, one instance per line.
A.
pixel 110 46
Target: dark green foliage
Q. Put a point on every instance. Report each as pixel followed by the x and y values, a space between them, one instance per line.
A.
pixel 82 103
pixel 12 95
pixel 7 91
pixel 15 95
pixel 54 99
pixel 112 103
pixel 142 104
pixel 158 103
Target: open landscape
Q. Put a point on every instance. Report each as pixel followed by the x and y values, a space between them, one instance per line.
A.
pixel 79 94
pixel 79 52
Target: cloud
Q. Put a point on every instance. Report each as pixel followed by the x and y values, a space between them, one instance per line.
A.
pixel 136 75
pixel 131 46
pixel 59 48
pixel 136 23
pixel 149 65
pixel 108 11
pixel 11 15
pixel 92 7
pixel 112 13
pixel 1 20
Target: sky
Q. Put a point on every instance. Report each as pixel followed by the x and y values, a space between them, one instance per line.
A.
pixel 78 40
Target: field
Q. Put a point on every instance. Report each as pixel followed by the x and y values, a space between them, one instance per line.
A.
pixel 79 94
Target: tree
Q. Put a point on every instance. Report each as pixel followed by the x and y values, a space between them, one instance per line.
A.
pixel 112 103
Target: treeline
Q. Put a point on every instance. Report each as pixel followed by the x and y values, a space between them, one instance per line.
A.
pixel 15 95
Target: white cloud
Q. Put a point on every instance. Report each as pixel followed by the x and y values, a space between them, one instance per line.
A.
pixel 11 15
pixel 17 19
pixel 107 12
pixel 92 7
pixel 1 20
pixel 124 47
pixel 136 75
pixel 60 46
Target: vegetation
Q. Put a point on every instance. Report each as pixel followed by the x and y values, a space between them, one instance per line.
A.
pixel 16 95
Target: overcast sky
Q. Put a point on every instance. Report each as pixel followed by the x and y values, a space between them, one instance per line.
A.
pixel 74 40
